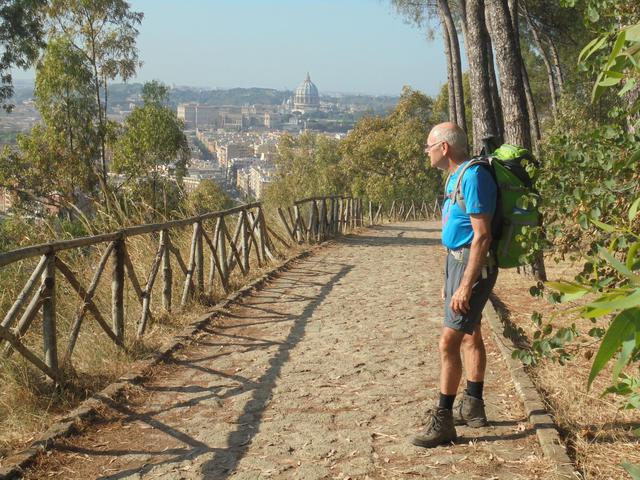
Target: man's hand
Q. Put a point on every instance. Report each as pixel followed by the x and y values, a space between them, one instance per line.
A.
pixel 460 300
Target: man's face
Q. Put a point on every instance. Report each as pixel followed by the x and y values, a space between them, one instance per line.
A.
pixel 435 150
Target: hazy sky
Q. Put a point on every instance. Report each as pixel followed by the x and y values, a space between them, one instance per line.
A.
pixel 346 45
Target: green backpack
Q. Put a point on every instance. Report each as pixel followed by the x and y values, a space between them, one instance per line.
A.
pixel 514 184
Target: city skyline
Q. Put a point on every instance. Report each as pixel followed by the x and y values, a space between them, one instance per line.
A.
pixel 360 46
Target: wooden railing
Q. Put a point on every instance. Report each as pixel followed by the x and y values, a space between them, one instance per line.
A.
pixel 404 211
pixel 332 215
pixel 227 251
pixel 326 218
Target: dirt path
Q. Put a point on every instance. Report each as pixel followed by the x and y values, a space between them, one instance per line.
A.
pixel 321 375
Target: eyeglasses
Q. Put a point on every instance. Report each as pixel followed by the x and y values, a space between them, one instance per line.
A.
pixel 429 147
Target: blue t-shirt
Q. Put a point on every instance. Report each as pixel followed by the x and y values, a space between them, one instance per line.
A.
pixel 480 191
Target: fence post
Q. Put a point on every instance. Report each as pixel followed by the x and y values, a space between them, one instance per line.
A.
pixel 167 274
pixel 261 233
pixel 298 228
pixel 331 217
pixel 49 314
pixel 351 212
pixel 199 260
pixel 244 235
pixel 311 228
pixel 321 220
pixel 117 290
pixel 222 254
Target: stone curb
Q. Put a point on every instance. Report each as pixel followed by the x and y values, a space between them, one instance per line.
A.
pixel 88 410
pixel 540 419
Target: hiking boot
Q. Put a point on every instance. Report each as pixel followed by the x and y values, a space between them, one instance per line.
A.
pixel 470 411
pixel 438 431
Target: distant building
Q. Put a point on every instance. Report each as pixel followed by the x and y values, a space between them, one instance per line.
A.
pixel 254 179
pixel 233 150
pixel 190 183
pixel 187 113
pixel 273 120
pixel 306 98
pixel 231 118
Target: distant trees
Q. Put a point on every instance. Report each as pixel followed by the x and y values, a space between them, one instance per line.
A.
pixel 88 43
pixel 151 137
pixel 307 165
pixel 103 33
pixel 384 156
pixel 21 38
pixel 208 197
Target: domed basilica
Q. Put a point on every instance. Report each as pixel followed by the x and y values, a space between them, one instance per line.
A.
pixel 306 98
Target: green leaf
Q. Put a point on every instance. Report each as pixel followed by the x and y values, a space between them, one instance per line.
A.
pixel 566 287
pixel 603 226
pixel 628 345
pixel 633 33
pixel 591 47
pixel 618 265
pixel 628 86
pixel 633 211
pixel 633 470
pixel 631 255
pixel 609 80
pixel 616 333
pixel 570 291
pixel 617 47
pixel 617 302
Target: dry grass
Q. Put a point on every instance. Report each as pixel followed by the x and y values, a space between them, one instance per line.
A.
pixel 598 433
pixel 28 402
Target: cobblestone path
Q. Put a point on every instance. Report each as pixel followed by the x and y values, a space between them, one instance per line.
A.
pixel 323 374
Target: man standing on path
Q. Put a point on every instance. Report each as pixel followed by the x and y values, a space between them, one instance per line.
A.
pixel 470 274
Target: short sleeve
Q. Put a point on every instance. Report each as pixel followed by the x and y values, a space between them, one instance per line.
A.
pixel 479 190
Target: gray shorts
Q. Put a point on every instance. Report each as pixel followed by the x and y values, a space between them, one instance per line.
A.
pixel 454 270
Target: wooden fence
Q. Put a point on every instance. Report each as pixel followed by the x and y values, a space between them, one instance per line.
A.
pixel 332 215
pixel 227 251
pixel 326 218
pixel 310 220
pixel 404 211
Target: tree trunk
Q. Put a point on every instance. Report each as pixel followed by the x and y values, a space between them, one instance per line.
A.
pixel 456 65
pixel 557 69
pixel 495 95
pixel 531 108
pixel 516 120
pixel 484 123
pixel 453 115
pixel 545 58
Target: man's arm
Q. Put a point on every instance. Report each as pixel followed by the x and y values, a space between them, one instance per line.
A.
pixel 481 224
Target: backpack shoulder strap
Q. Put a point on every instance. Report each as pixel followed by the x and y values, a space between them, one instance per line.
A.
pixel 458 196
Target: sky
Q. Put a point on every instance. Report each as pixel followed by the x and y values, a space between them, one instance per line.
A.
pixel 350 46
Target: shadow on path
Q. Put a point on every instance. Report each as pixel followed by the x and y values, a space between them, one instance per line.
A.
pixel 226 460
pixel 400 241
pixel 403 227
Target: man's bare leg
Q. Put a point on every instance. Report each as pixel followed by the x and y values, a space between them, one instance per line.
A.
pixel 451 362
pixel 475 356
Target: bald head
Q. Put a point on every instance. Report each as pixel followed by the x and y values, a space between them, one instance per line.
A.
pixel 452 134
